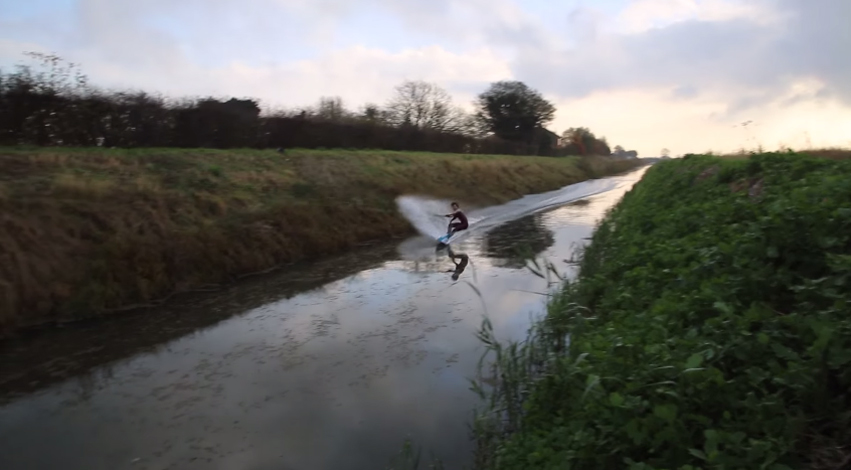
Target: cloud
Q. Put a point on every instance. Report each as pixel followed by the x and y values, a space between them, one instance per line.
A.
pixel 11 50
pixel 643 15
pixel 708 63
pixel 135 44
pixel 358 74
pixel 733 51
pixel 701 67
pixel 723 46
pixel 648 120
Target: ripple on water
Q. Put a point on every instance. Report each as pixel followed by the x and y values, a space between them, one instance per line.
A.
pixel 255 377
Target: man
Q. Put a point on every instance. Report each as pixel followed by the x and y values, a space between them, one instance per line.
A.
pixel 462 220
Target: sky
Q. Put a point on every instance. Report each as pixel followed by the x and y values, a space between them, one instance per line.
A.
pixel 682 75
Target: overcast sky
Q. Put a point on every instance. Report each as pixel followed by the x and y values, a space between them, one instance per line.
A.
pixel 646 74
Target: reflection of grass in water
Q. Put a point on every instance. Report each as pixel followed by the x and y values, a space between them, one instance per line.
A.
pixel 500 383
pixel 503 382
pixel 410 459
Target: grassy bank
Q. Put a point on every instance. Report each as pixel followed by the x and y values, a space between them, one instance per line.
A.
pixel 709 327
pixel 89 231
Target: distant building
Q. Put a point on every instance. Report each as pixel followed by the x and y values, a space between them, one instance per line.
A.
pixel 545 140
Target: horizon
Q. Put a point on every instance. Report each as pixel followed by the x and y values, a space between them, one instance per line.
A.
pixel 687 75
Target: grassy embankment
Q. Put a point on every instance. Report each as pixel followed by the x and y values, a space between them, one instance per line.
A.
pixel 709 327
pixel 88 231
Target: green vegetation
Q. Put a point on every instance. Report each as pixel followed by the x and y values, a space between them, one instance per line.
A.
pixel 89 231
pixel 709 327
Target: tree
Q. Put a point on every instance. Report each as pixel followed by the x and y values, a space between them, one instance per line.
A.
pixel 331 109
pixel 585 142
pixel 621 153
pixel 601 147
pixel 425 106
pixel 513 111
pixel 665 153
pixel 471 126
pixel 373 114
pixel 44 102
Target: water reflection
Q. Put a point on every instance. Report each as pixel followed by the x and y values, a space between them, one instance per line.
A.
pixel 460 261
pixel 512 243
pixel 257 377
pixel 86 350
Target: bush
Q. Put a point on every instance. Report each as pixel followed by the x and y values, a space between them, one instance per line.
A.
pixel 58 107
pixel 709 327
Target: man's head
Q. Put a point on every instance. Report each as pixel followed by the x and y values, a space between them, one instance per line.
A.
pixel 455 206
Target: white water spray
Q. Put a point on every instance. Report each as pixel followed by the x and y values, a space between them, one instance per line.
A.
pixel 427 215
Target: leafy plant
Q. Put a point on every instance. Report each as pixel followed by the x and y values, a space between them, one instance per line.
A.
pixel 709 327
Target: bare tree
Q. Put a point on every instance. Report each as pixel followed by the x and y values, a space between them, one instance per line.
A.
pixel 424 105
pixel 331 109
pixel 470 125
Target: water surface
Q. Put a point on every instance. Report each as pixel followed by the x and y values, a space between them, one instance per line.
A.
pixel 330 365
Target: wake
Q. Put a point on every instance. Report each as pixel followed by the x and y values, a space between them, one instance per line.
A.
pixel 427 214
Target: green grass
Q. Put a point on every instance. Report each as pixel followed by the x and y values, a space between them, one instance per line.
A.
pixel 89 231
pixel 708 328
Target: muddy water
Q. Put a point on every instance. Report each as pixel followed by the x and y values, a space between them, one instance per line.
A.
pixel 326 366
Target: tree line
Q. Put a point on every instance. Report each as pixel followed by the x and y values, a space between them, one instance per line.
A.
pixel 53 104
